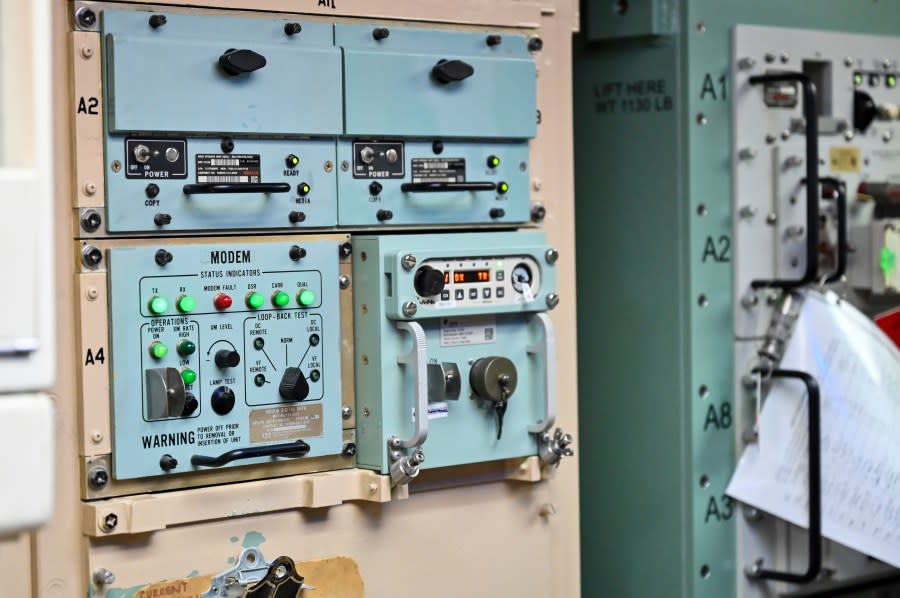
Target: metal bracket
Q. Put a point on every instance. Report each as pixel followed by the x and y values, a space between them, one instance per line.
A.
pixel 251 569
pixel 546 351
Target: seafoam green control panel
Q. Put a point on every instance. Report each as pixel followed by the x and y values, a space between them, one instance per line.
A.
pixel 223 354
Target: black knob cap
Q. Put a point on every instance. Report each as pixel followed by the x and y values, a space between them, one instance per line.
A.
pixel 292 28
pixel 380 33
pixel 293 386
pixel 448 71
pixel 157 21
pixel 383 215
pixel 864 111
pixel 375 188
pixel 227 358
pixel 162 257
pixel 498 212
pixel 296 217
pixel 222 400
pixel 168 462
pixel 296 253
pixel 428 281
pixel 493 40
pixel 190 405
pixel 152 190
pixel 237 62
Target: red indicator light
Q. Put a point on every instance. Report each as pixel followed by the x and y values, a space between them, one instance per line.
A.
pixel 222 301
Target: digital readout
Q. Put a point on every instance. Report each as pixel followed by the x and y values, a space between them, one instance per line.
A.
pixel 470 276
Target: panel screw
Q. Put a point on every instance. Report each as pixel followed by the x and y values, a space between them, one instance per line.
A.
pixel 103 577
pixel 91 220
pixel 373 488
pixel 89 188
pixel 116 166
pixel 437 146
pixel 296 253
pixel 92 294
pixel 409 309
pixel 771 218
pixel 380 33
pixel 96 436
pixel 746 63
pixel 227 145
pixel 98 478
pixel 345 166
pixel 162 257
pixel 87 52
pixel 329 166
pixel 349 449
pixel 552 300
pixel 157 21
pixel 547 509
pixel 366 412
pixel 747 153
pixel 109 522
pixel 346 411
pixel 408 261
pixel 535 44
pixel 344 282
pixel 292 28
pixel 551 256
pixel 346 249
pixel 848 61
pixel 91 256
pixel 701 119
pixel 86 17
pixel 747 212
pixel 701 27
pixel 785 57
pixel 538 212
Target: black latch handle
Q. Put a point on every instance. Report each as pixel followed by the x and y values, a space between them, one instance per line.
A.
pixel 237 62
pixel 288 449
pixel 450 71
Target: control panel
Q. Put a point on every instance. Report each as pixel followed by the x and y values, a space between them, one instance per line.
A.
pixel 207 125
pixel 224 354
pixel 459 380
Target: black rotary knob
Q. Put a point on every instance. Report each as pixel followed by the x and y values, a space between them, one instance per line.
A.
pixel 228 358
pixel 222 400
pixel 428 281
pixel 293 386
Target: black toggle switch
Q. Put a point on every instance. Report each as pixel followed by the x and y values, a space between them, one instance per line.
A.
pixel 375 188
pixel 383 215
pixel 293 386
pixel 450 71
pixel 237 62
pixel 227 358
pixel 428 281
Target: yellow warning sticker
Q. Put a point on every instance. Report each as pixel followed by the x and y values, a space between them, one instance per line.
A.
pixel 844 159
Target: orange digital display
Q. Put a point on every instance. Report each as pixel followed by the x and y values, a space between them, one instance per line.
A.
pixel 470 276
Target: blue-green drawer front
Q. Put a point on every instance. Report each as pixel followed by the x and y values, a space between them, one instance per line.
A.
pixel 389 89
pixel 169 78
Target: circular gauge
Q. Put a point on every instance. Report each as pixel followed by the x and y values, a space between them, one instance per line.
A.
pixel 521 277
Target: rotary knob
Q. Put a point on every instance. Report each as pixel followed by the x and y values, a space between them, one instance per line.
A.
pixel 428 281
pixel 222 400
pixel 227 358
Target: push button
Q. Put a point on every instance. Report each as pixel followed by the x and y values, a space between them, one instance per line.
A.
pixel 445 295
pixel 473 293
pixel 460 294
pixel 486 293
pixel 499 275
pixel 500 292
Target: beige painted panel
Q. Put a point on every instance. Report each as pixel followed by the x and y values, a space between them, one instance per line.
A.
pixel 15 562
pixel 495 538
pixel 87 108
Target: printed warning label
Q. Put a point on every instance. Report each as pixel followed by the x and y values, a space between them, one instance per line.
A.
pixel 478 330
pixel 290 422
pixel 227 168
pixel 439 170
pixel 191 587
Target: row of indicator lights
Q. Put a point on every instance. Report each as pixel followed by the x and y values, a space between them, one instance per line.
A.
pixel 890 79
pixel 186 304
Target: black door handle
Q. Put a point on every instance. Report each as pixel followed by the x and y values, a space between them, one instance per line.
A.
pixel 201 188
pixel 446 187
pixel 237 62
pixel 288 449
pixel 815 483
pixel 811 116
pixel 450 71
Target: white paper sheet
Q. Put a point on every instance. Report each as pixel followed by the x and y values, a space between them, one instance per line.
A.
pixel 858 370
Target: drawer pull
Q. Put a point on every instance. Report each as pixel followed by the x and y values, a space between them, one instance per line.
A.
pixel 237 62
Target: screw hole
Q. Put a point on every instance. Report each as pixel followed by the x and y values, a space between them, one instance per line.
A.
pixel 703 300
pixel 621 7
pixel 701 210
pixel 705 571
pixel 704 481
pixel 704 391
pixel 363 256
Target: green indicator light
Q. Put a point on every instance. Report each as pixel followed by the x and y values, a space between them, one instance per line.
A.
pixel 857 79
pixel 188 375
pixel 280 299
pixel 306 297
pixel 314 339
pixel 303 189
pixel 887 260
pixel 292 161
pixel 186 304
pixel 259 343
pixel 891 80
pixel 255 300
pixel 493 161
pixel 185 347
pixel 502 188
pixel 315 375
pixel 158 305
pixel 158 350
pixel 259 379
